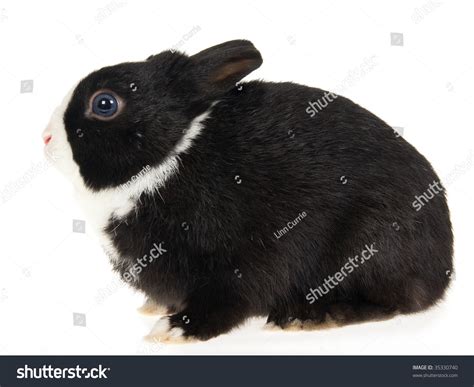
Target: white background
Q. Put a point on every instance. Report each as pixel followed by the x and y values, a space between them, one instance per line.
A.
pixel 48 272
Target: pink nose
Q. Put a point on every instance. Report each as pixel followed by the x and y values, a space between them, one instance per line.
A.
pixel 47 138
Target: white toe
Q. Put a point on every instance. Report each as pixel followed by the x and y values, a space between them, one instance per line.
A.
pixel 163 332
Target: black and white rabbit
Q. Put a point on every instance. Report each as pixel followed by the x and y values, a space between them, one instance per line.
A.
pixel 222 200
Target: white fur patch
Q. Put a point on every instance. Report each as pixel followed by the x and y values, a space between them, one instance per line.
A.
pixel 150 308
pixel 163 333
pixel 100 206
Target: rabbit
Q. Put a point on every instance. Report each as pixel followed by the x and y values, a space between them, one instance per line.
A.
pixel 222 200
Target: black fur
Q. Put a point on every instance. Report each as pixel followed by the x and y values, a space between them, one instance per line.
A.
pixel 261 161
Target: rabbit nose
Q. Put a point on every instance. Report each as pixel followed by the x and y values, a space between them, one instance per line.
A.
pixel 47 138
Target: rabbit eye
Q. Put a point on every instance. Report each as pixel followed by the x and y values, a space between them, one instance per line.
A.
pixel 104 105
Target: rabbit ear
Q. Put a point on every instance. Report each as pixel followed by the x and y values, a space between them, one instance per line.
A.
pixel 218 68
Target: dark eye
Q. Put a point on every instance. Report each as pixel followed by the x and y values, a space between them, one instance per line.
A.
pixel 105 105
